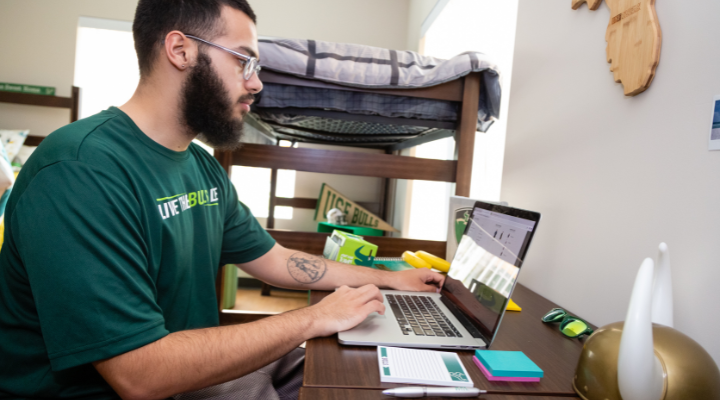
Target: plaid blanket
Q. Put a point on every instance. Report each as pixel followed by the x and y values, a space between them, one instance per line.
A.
pixel 372 67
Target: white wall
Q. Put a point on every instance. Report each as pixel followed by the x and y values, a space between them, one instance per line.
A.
pixel 378 23
pixel 38 48
pixel 614 176
pixel 418 11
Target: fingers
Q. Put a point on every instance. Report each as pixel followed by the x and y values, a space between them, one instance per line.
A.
pixel 373 306
pixel 430 288
pixel 439 280
pixel 419 280
pixel 370 292
pixel 434 277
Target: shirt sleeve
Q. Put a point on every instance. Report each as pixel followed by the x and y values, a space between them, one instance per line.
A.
pixel 82 245
pixel 244 240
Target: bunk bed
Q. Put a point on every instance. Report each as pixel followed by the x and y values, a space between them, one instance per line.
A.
pixel 298 103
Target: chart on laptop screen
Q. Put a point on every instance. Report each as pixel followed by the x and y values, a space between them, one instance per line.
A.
pixel 487 260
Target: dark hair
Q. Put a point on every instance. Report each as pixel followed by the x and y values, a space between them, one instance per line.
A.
pixel 155 18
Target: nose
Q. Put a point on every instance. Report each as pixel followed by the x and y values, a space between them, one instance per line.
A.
pixel 254 85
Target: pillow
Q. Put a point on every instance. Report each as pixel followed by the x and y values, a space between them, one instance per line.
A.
pixel 12 140
pixel 22 157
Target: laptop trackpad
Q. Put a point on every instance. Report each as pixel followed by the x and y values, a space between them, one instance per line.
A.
pixel 372 323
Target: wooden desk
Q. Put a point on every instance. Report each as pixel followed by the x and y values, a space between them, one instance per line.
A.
pixel 330 365
pixel 358 394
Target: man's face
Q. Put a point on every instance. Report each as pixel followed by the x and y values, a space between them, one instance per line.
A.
pixel 215 96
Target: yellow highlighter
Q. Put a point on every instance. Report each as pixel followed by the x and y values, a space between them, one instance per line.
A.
pixel 436 262
pixel 417 262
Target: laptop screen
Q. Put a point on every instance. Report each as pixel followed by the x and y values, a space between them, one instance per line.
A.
pixel 487 262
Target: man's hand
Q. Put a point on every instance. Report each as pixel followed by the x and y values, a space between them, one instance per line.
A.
pixel 417 280
pixel 345 308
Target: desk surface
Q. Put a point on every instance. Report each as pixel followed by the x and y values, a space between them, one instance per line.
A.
pixel 330 365
pixel 357 394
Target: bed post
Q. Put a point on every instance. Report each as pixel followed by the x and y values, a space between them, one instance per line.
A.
pixel 225 160
pixel 270 224
pixel 74 104
pixel 465 134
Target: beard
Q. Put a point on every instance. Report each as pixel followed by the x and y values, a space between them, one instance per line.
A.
pixel 207 109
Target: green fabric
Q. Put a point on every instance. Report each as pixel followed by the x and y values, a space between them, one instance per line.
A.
pixel 112 241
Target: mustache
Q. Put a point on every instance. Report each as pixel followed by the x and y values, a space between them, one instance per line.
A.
pixel 246 98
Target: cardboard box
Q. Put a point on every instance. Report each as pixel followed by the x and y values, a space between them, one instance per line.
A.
pixel 349 249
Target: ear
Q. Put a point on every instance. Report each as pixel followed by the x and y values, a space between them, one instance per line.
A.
pixel 179 50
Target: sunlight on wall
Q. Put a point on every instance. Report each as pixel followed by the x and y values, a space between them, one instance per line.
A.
pixel 487 26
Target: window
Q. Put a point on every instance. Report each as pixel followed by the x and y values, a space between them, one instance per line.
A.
pixel 253 186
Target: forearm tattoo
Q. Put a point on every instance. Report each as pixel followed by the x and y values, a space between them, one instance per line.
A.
pixel 305 268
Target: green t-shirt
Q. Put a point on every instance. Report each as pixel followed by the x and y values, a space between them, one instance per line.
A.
pixel 112 241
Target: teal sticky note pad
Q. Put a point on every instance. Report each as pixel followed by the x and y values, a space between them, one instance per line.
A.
pixel 509 363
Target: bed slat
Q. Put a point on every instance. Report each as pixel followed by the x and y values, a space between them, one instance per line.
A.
pixel 344 163
pixel 314 243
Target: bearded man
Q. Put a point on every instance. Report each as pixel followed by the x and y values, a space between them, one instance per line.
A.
pixel 118 222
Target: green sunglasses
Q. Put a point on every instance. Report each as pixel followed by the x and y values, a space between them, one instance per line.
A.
pixel 572 327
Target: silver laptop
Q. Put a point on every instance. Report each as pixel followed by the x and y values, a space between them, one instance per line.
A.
pixel 467 313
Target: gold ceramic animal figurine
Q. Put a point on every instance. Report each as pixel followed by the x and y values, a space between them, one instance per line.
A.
pixel 644 358
pixel 633 41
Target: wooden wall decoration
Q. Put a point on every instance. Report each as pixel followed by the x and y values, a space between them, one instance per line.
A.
pixel 633 41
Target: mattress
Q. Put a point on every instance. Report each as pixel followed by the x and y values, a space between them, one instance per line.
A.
pixel 326 115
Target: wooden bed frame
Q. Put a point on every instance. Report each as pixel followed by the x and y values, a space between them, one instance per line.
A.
pixel 465 90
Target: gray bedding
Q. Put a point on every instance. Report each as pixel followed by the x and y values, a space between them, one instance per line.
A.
pixel 367 67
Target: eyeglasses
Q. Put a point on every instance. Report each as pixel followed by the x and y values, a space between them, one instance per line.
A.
pixel 250 63
pixel 572 327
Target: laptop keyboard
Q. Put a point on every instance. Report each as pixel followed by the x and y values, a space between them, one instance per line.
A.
pixel 419 315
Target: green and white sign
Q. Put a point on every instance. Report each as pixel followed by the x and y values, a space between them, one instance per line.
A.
pixel 354 214
pixel 31 89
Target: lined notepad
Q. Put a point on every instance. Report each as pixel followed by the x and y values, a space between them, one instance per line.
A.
pixel 424 367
